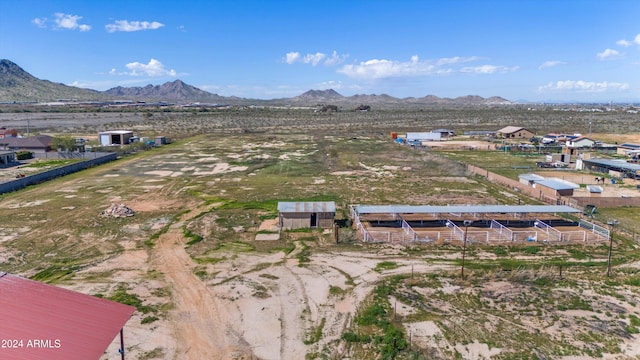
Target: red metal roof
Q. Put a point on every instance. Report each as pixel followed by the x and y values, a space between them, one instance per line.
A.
pixel 40 321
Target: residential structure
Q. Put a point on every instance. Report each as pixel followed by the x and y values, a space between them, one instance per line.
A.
pixel 5 132
pixel 574 145
pixel 580 142
pixel 35 144
pixel 514 132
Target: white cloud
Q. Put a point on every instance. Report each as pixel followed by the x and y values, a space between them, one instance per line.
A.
pixel 69 22
pixel 456 60
pixel 128 26
pixel 551 63
pixel 488 69
pixel 584 86
pixel 40 22
pixel 335 59
pixel 609 54
pixel 292 57
pixel 313 59
pixel 378 69
pixel 153 68
pixel 182 28
pixel 627 43
pixel 624 43
pixel 381 68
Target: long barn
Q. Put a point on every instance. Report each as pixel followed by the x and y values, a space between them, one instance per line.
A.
pixel 489 224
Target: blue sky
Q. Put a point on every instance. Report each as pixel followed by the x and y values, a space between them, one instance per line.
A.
pixel 540 50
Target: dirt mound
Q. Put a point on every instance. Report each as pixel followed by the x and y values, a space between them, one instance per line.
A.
pixel 117 210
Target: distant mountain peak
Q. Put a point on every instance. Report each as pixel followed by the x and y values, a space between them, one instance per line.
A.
pixel 328 94
pixel 176 90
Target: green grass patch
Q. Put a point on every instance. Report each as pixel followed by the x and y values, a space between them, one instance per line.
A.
pixel 122 296
pixel 55 273
pixel 385 265
pixel 193 237
pixel 316 334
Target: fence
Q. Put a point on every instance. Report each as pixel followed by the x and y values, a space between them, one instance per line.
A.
pixel 409 230
pixel 513 184
pixel 604 202
pixel 455 230
pixel 502 230
pixel 21 183
pixel 596 229
pixel 552 234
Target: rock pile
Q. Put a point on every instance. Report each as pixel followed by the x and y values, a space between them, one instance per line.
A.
pixel 117 210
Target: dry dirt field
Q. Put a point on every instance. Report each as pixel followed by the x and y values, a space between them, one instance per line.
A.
pixel 205 288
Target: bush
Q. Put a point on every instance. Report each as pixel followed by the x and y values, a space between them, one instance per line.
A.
pixel 24 155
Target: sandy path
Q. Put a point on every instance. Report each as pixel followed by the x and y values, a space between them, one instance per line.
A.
pixel 199 326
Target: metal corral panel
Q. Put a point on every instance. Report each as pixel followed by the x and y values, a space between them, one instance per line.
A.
pixel 465 209
pixel 66 324
pixel 307 207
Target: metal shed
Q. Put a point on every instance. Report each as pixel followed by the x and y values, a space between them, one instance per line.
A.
pixel 115 137
pixel 46 322
pixel 309 214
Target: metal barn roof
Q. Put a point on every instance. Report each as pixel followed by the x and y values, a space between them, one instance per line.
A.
pixel 558 184
pixel 613 164
pixel 531 177
pixel 429 209
pixel 306 206
pixel 66 324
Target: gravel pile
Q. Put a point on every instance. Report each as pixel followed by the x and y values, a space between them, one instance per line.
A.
pixel 117 210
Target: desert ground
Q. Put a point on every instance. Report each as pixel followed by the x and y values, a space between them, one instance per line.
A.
pixel 206 288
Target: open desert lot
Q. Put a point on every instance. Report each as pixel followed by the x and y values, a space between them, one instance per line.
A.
pixel 205 287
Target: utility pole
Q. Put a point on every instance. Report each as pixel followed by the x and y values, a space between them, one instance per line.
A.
pixel 464 243
pixel 611 224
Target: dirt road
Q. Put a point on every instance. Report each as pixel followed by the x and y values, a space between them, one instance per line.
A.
pixel 199 325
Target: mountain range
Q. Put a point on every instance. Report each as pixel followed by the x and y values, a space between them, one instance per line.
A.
pixel 17 85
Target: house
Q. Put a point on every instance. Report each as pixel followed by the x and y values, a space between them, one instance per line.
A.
pixel 115 137
pixel 574 144
pixel 309 214
pixel 514 132
pixel 5 132
pixel 36 144
pixel 580 142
